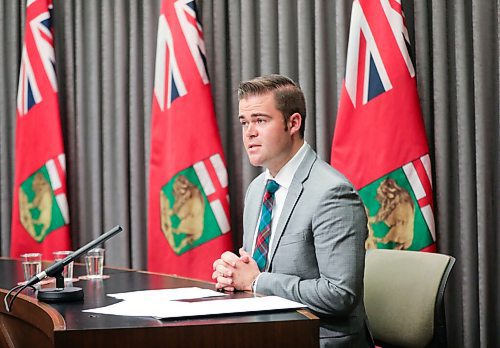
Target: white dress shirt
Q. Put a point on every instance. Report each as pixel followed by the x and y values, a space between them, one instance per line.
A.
pixel 284 178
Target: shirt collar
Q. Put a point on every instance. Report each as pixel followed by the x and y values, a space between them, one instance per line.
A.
pixel 285 176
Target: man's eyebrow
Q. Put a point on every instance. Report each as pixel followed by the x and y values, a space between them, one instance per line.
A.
pixel 255 114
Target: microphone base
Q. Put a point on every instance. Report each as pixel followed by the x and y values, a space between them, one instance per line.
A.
pixel 69 294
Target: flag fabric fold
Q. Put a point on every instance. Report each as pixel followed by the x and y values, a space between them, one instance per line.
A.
pixel 40 214
pixel 380 142
pixel 188 218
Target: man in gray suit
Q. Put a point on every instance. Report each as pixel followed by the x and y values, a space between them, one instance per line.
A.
pixel 304 224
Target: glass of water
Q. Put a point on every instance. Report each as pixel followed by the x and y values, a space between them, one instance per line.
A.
pixel 32 265
pixel 94 262
pixel 68 269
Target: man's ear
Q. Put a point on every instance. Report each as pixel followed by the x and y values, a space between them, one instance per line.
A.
pixel 294 123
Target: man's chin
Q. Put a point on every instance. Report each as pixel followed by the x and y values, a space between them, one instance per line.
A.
pixel 256 162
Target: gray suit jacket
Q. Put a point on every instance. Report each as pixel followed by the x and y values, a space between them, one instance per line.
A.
pixel 318 255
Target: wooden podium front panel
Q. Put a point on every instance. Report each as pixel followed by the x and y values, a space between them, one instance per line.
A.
pixel 29 324
pixel 278 334
pixel 65 325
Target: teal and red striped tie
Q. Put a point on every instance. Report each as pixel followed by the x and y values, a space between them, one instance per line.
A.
pixel 264 233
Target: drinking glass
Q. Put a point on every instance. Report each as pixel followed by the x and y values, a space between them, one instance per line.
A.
pixel 32 264
pixel 94 262
pixel 68 269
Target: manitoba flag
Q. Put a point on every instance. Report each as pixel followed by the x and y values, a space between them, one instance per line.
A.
pixel 380 142
pixel 189 224
pixel 40 217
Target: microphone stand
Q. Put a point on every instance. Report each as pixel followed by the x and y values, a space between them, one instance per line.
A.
pixel 60 293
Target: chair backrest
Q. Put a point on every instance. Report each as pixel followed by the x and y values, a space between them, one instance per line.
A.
pixel 404 293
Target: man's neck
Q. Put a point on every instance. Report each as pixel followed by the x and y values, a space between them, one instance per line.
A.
pixel 297 144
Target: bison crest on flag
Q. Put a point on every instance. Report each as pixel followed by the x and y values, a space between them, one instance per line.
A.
pixel 43 206
pixel 399 208
pixel 192 212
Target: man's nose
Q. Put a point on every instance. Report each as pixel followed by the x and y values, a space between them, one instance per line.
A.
pixel 251 130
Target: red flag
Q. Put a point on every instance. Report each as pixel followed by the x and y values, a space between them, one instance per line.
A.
pixel 189 225
pixel 40 216
pixel 380 142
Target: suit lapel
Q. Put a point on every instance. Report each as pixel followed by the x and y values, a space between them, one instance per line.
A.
pixel 294 193
pixel 254 203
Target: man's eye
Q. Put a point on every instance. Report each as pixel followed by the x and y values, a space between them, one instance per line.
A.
pixel 244 123
pixel 261 120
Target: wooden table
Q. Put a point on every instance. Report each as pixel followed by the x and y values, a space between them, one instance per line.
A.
pixel 32 323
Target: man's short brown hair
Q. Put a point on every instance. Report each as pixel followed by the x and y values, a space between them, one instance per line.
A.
pixel 288 96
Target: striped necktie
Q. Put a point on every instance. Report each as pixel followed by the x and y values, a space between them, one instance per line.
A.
pixel 264 233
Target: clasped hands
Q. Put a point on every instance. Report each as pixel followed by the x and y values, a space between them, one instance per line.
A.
pixel 233 272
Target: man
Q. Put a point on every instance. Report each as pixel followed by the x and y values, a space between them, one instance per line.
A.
pixel 304 225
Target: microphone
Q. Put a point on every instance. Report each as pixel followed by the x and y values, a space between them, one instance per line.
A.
pixel 57 267
pixel 60 293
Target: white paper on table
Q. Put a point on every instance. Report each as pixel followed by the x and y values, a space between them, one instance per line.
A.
pixel 168 294
pixel 175 309
pixel 138 308
pixel 237 305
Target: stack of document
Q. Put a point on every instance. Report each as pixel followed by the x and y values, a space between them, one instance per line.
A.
pixel 170 303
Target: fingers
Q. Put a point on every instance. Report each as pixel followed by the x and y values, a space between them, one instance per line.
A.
pixel 244 256
pixel 230 258
pixel 216 263
pixel 232 272
pixel 223 271
pixel 245 259
pixel 223 283
pixel 219 286
pixel 220 262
